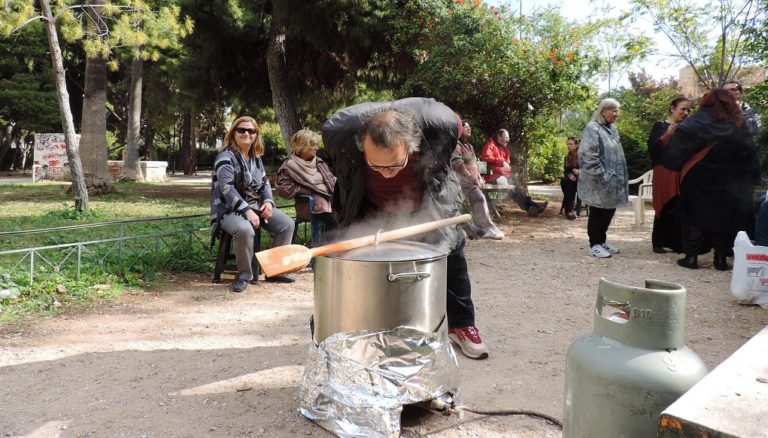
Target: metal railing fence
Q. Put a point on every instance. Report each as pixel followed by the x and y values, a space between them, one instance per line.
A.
pixel 118 251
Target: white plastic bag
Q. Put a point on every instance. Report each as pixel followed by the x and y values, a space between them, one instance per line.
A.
pixel 749 283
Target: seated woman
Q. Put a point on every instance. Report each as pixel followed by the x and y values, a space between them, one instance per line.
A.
pixel 304 173
pixel 241 198
pixel 569 182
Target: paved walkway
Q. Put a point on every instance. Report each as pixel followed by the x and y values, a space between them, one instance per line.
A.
pixel 14 177
pixel 204 177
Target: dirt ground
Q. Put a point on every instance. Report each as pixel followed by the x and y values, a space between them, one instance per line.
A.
pixel 190 358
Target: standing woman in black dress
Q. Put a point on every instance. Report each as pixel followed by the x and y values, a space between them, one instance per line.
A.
pixel 718 165
pixel 569 183
pixel 667 231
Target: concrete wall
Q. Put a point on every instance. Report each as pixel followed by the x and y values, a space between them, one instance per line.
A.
pixel 152 170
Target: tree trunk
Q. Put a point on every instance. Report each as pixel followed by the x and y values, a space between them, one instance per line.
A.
pixel 131 166
pixel 93 126
pixel 187 146
pixel 282 99
pixel 78 188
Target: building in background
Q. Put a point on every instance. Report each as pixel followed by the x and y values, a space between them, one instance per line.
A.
pixel 690 86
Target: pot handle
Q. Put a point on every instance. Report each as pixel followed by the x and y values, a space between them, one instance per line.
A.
pixel 408 276
pixel 413 276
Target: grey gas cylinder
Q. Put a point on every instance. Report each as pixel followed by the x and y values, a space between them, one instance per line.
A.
pixel 620 377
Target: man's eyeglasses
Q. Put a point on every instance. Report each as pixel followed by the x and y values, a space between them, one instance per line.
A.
pixel 390 167
pixel 244 130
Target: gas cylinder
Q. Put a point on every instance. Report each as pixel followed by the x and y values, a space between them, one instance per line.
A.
pixel 620 377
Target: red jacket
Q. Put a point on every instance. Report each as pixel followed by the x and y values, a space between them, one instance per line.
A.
pixel 495 156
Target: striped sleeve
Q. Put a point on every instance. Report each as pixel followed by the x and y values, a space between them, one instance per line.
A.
pixel 224 168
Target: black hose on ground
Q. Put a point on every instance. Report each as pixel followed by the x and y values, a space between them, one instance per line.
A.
pixel 440 407
pixel 549 418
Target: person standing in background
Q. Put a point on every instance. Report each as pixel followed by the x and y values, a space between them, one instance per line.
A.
pixel 751 118
pixel 667 231
pixel 603 180
pixel 718 166
pixel 570 181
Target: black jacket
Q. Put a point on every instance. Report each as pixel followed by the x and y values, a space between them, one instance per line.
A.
pixel 716 193
pixel 440 128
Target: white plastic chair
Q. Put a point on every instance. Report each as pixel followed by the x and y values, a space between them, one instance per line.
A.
pixel 644 193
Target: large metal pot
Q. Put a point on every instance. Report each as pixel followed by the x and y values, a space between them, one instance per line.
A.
pixel 380 287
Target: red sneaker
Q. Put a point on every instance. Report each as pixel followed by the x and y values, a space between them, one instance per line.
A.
pixel 468 338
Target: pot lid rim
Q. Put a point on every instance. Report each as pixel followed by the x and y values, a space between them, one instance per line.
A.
pixel 392 251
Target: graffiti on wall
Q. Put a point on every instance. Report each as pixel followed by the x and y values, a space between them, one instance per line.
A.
pixel 50 157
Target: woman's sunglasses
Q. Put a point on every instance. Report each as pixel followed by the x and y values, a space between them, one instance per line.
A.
pixel 244 130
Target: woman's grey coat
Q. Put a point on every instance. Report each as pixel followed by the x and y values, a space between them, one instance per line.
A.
pixel 603 175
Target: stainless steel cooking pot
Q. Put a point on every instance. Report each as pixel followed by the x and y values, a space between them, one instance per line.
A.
pixel 393 284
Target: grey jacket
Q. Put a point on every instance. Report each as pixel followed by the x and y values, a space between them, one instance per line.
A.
pixel 228 170
pixel 603 168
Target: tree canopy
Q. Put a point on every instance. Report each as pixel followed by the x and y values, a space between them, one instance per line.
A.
pixel 534 75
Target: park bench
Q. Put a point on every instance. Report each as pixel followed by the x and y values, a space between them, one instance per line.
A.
pixel 494 193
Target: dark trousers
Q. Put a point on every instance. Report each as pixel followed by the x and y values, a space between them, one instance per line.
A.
pixel 570 200
pixel 667 230
pixel 597 224
pixel 460 309
pixel 761 225
pixel 696 241
pixel 517 195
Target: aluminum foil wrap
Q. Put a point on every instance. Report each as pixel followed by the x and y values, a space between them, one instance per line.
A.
pixel 356 383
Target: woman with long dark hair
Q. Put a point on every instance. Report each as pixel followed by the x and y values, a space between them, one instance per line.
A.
pixel 571 205
pixel 667 231
pixel 718 167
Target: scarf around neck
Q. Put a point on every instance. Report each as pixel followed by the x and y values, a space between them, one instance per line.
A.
pixel 309 168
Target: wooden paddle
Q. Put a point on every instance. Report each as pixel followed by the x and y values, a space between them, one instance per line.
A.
pixel 291 258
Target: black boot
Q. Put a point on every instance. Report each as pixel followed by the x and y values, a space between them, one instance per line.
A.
pixel 721 263
pixel 690 262
pixel 536 208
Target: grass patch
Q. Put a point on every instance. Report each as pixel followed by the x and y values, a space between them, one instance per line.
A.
pixel 105 272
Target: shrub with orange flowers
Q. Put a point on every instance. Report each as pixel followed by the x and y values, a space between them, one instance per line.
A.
pixel 497 69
